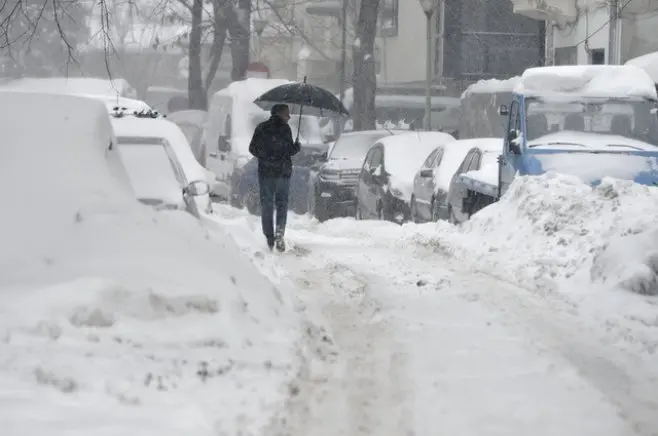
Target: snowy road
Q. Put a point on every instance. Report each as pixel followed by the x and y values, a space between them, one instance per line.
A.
pixel 423 346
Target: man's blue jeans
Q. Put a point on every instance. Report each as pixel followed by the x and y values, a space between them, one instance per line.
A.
pixel 273 193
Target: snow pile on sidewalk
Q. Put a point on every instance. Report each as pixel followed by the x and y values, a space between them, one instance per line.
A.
pixel 116 319
pixel 554 226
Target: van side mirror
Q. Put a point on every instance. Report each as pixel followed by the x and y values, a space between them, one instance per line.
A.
pixel 503 111
pixel 224 144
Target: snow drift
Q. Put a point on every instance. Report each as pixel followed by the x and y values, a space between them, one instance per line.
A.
pixel 554 226
pixel 105 303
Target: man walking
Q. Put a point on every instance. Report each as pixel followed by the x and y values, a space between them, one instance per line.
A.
pixel 273 146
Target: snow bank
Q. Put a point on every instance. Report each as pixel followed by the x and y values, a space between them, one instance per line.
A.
pixel 114 318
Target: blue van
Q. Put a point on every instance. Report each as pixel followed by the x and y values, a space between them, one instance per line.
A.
pixel 589 121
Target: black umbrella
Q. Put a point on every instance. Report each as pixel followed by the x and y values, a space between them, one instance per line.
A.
pixel 316 100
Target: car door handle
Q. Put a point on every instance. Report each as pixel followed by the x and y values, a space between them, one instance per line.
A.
pixel 213 154
pixel 222 157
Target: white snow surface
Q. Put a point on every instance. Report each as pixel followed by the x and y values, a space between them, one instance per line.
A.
pixel 431 335
pixel 116 319
pixel 557 235
pixel 583 81
pixel 648 62
pixel 162 128
pixel 404 154
pixel 454 155
pixel 74 85
pixel 488 172
pixel 492 86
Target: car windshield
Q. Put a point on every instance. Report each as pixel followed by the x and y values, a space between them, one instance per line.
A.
pixel 632 119
pixel 151 172
pixel 355 146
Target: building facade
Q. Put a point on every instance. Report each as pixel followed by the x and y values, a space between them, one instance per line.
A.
pixel 474 39
pixel 594 31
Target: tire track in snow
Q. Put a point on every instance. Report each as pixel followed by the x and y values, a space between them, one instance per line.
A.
pixel 368 376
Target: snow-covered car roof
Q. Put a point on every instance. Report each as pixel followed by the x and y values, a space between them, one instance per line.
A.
pixel 130 104
pixel 130 126
pixel 588 81
pixel 405 153
pixel 492 86
pixel 74 85
pixel 250 89
pixel 647 62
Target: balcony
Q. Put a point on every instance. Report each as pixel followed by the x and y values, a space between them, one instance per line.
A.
pixel 546 10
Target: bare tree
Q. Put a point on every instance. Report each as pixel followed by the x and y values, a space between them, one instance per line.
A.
pixel 40 36
pixel 364 78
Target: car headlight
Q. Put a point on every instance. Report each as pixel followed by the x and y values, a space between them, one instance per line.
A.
pixel 397 193
pixel 329 175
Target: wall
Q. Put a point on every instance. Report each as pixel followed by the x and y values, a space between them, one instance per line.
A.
pixel 595 24
pixel 403 55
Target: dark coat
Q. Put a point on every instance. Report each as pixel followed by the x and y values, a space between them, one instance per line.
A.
pixel 273 146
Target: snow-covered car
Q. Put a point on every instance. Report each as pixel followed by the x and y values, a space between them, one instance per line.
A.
pixel 192 122
pixel 429 201
pixel 588 121
pixel 387 175
pixel 74 85
pixel 333 191
pixel 480 164
pixel 146 131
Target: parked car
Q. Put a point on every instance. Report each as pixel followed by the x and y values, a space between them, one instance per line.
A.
pixel 432 182
pixel 386 179
pixel 306 161
pixel 481 160
pixel 192 122
pixel 141 137
pixel 332 189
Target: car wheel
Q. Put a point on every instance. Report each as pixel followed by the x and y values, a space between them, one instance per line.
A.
pixel 380 213
pixel 252 201
pixel 414 210
pixel 434 210
pixel 451 216
pixel 311 202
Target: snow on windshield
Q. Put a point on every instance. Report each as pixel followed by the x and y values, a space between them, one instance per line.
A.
pixel 354 146
pixel 631 119
pixel 151 172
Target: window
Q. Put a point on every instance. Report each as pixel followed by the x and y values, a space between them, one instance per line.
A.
pixel 466 163
pixel 377 158
pixel 475 162
pixel 429 162
pixel 389 17
pixel 438 157
pixel 597 56
pixel 566 55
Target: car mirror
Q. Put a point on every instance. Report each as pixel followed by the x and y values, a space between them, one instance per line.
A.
pixel 503 111
pixel 224 144
pixel 197 188
pixel 426 173
pixel 376 172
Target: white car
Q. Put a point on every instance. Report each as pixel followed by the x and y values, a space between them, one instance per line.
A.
pixel 161 165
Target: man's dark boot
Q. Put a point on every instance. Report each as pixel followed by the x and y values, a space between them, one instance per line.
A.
pixel 279 243
pixel 270 243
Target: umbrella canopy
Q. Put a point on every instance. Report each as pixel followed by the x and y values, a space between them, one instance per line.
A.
pixel 311 99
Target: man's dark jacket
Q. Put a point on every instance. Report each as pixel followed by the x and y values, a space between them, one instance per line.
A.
pixel 274 147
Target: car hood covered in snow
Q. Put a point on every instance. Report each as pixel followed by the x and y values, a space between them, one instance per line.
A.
pixel 591 157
